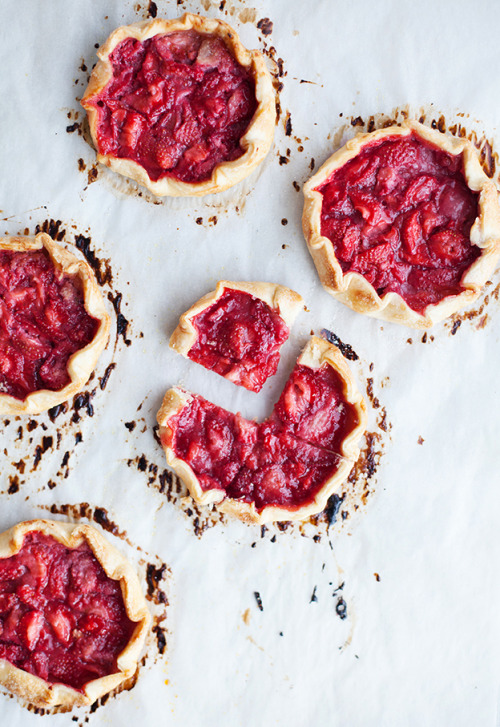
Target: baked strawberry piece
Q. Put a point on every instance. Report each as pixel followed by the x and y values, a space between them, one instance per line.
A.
pixel 283 468
pixel 176 100
pixel 238 330
pixel 402 223
pixel 53 324
pixel 63 619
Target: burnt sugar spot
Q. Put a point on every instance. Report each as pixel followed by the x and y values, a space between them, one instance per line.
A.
pixel 53 228
pixel 488 158
pixel 56 411
pixel 173 489
pixel 100 266
pixel 102 518
pixel 122 323
pixel 345 349
pixel 265 26
pixel 154 577
pixel 258 600
pixel 277 73
pixel 40 450
pixel 478 316
pixel 83 401
pixel 103 380
pixel 13 484
pixel 357 121
pixel 92 174
pixel 371 396
pixel 341 607
pixel 80 510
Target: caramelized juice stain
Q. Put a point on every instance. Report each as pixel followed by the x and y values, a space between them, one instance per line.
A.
pixel 168 484
pixel 345 349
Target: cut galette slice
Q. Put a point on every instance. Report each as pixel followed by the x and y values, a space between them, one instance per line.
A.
pixel 238 330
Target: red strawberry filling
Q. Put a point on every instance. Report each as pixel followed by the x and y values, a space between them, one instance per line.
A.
pixel 400 214
pixel 61 617
pixel 43 322
pixel 177 104
pixel 283 461
pixel 239 337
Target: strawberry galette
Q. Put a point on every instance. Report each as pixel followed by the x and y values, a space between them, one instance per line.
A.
pixel 284 468
pixel 180 105
pixel 73 618
pixel 403 224
pixel 53 324
pixel 238 329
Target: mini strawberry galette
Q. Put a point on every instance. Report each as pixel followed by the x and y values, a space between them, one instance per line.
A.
pixel 53 324
pixel 238 330
pixel 403 224
pixel 72 615
pixel 180 105
pixel 285 468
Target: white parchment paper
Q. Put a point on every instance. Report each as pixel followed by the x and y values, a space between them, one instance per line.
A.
pixel 414 571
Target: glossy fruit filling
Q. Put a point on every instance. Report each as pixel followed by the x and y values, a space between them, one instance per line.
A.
pixel 61 617
pixel 177 104
pixel 283 461
pixel 43 322
pixel 239 337
pixel 400 214
pixel 312 407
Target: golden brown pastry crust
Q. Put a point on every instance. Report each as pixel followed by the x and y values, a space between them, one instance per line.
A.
pixel 353 289
pixel 40 692
pixel 82 362
pixel 316 353
pixel 257 139
pixel 283 300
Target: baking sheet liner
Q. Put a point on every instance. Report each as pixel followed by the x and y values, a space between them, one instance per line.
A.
pixel 384 610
